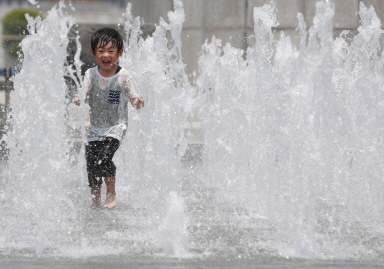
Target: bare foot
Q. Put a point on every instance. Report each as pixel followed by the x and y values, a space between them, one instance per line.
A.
pixel 96 197
pixel 110 202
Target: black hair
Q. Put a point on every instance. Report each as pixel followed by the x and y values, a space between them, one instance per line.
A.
pixel 104 36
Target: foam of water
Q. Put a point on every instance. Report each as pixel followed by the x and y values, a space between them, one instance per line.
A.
pixel 300 135
pixel 291 165
pixel 37 172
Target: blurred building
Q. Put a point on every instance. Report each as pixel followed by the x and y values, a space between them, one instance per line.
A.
pixel 229 20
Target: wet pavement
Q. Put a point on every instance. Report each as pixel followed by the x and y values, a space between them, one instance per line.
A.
pixel 177 264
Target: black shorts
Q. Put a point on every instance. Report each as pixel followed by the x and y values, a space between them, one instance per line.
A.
pixel 99 156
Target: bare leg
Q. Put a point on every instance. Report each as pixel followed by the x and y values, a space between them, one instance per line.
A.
pixel 96 195
pixel 110 201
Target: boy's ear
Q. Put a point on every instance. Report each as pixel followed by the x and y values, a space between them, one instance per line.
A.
pixel 120 53
pixel 92 52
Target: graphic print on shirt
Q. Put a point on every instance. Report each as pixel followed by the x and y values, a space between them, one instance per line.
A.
pixel 114 97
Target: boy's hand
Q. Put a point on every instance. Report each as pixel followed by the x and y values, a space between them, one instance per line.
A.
pixel 137 102
pixel 76 99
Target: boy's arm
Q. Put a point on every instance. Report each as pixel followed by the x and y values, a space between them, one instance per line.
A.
pixel 76 97
pixel 137 102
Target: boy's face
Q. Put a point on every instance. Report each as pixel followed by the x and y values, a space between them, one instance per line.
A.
pixel 106 56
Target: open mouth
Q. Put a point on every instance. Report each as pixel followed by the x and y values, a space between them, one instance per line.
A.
pixel 106 63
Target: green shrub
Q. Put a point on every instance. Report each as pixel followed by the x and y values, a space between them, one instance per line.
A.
pixel 15 23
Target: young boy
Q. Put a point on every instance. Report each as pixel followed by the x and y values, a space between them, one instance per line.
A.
pixel 108 89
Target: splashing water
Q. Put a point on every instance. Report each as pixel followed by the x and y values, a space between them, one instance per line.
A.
pixel 300 135
pixel 292 161
pixel 37 176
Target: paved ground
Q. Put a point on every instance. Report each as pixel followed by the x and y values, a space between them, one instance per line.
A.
pixel 178 264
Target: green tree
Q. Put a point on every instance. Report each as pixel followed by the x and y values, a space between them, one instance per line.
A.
pixel 15 23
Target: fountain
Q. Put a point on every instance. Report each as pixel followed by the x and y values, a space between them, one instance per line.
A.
pixel 299 134
pixel 292 158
